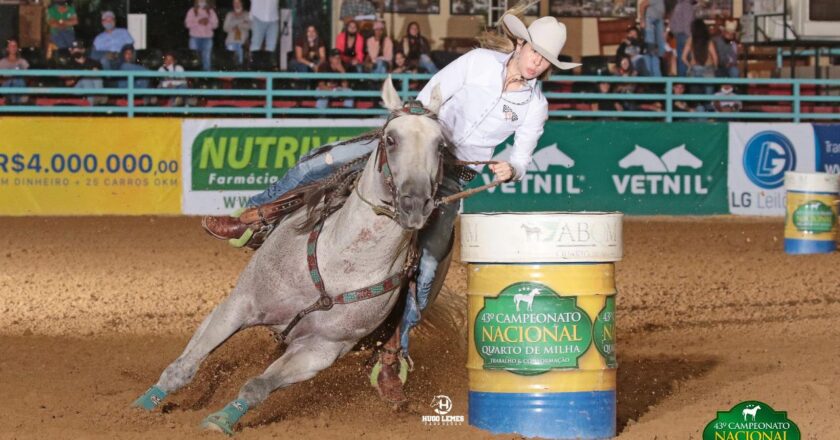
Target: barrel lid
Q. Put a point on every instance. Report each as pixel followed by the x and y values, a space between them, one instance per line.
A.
pixel 541 237
pixel 812 182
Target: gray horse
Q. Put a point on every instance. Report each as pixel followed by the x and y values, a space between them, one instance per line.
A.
pixel 357 247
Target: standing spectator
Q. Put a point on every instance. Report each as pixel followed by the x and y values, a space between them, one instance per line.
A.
pixel 351 45
pixel 129 63
pixel 202 20
pixel 109 43
pixel 726 45
pixel 681 19
pixel 265 25
pixel 237 25
pixel 13 61
pixel 170 64
pixel 333 65
pixel 700 56
pixel 401 64
pixel 350 9
pixel 416 48
pixel 380 49
pixel 652 20
pixel 310 52
pixel 631 46
pixel 80 61
pixel 61 18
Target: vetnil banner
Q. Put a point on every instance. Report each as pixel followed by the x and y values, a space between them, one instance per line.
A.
pixel 228 161
pixel 635 168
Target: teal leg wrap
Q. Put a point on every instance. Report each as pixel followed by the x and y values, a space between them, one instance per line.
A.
pixel 150 399
pixel 226 419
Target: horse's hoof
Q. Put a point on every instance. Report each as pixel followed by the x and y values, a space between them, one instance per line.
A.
pixel 150 399
pixel 225 420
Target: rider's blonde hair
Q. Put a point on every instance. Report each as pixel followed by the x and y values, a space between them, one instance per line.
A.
pixel 502 40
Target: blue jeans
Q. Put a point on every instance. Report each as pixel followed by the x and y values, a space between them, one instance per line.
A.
pixel 63 38
pixel 91 83
pixel 262 31
pixel 651 64
pixel 204 46
pixel 655 35
pixel 381 66
pixel 324 102
pixel 14 82
pixel 426 63
pixel 682 69
pixel 237 49
pixel 435 238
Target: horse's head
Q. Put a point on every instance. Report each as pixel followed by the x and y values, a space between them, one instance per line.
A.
pixel 409 155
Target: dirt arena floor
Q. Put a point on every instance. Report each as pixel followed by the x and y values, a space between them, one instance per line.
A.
pixel 711 312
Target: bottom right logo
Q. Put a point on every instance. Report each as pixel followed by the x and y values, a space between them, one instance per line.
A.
pixel 751 420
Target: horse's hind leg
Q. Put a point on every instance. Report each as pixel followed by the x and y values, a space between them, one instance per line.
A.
pixel 302 360
pixel 225 320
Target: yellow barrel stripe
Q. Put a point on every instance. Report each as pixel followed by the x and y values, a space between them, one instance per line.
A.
pixel 554 381
pixel 565 279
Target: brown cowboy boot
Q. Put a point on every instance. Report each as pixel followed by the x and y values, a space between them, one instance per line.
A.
pixel 390 372
pixel 224 227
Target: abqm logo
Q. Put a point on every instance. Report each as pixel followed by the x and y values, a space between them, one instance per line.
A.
pixel 767 156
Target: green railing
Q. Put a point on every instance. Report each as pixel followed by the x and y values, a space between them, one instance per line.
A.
pixel 270 94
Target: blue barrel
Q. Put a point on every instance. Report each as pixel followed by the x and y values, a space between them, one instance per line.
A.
pixel 811 213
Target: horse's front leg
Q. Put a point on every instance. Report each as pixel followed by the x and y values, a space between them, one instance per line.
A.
pixel 302 360
pixel 226 319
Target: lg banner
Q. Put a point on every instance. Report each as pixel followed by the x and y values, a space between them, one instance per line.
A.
pixel 759 156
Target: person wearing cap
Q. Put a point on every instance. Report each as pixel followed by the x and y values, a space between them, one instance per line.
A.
pixel 61 18
pixel 726 46
pixel 80 61
pixel 380 49
pixel 488 94
pixel 108 45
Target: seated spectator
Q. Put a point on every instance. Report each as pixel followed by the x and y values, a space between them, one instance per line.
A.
pixel 80 61
pixel 680 105
pixel 726 90
pixel 351 45
pixel 129 63
pixel 401 64
pixel 170 64
pixel 380 49
pixel 310 52
pixel 726 46
pixel 13 61
pixel 625 69
pixel 631 46
pixel 237 25
pixel 333 65
pixel 61 18
pixel 606 104
pixel 202 20
pixel 108 44
pixel 417 49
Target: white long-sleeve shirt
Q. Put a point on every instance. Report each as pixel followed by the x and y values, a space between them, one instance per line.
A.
pixel 477 116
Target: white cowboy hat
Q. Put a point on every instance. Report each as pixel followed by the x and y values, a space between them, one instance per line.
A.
pixel 546 35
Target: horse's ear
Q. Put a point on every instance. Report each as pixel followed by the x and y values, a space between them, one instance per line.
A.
pixel 390 97
pixel 436 100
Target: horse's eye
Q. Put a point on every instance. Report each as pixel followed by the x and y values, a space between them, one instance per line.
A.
pixel 390 141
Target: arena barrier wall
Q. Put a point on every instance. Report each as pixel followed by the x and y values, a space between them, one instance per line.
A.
pixel 89 166
pixel 132 166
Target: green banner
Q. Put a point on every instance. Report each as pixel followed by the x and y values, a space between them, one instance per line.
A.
pixel 632 167
pixel 251 158
pixel 752 420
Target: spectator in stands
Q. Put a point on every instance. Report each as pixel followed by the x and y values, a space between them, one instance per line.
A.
pixel 680 105
pixel 625 69
pixel 417 49
pixel 170 64
pixel 350 9
pixel 129 63
pixel 351 44
pixel 401 64
pixel 726 45
pixel 202 20
pixel 333 65
pixel 61 18
pixel 13 61
pixel 652 21
pixel 237 25
pixel 310 52
pixel 631 46
pixel 680 22
pixel 380 49
pixel 700 56
pixel 80 61
pixel 726 90
pixel 110 42
pixel 605 105
pixel 265 25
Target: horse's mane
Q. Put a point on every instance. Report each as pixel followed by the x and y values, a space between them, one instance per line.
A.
pixel 334 190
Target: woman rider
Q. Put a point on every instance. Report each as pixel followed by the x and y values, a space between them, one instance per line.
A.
pixel 487 94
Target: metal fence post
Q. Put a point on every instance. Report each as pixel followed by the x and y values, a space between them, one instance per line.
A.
pixel 130 94
pixel 797 103
pixel 669 100
pixel 269 98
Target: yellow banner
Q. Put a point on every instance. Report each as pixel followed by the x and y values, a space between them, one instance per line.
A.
pixel 90 166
